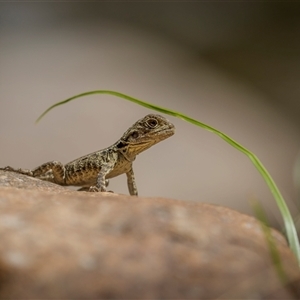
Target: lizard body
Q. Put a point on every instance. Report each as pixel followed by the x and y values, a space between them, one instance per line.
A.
pixel 92 171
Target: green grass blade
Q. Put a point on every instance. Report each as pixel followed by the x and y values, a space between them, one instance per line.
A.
pixel 287 218
pixel 274 252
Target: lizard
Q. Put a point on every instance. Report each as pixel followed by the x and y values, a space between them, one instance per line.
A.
pixel 92 171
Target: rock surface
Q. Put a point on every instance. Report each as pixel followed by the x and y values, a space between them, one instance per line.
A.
pixel 57 243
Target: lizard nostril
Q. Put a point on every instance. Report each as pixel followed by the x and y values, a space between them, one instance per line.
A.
pixel 135 134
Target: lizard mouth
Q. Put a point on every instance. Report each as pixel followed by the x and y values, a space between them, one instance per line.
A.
pixel 167 131
pixel 157 136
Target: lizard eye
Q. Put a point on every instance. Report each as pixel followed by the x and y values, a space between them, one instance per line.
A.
pixel 152 123
pixel 135 135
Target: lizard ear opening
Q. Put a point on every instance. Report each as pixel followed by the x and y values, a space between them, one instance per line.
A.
pixel 121 145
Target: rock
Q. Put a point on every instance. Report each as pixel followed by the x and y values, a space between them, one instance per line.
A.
pixel 11 179
pixel 58 243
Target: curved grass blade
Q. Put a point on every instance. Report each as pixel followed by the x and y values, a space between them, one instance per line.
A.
pixel 273 250
pixel 287 218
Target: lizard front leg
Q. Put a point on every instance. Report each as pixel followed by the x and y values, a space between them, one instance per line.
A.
pixel 131 183
pixel 102 183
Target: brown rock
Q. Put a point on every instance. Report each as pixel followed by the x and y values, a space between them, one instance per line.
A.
pixel 11 179
pixel 57 243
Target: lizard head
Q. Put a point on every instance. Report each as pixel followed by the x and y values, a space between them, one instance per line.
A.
pixel 145 133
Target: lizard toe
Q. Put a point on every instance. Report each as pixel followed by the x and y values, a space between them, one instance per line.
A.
pixel 94 189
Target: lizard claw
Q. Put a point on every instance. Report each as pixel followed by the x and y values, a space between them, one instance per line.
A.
pixel 94 189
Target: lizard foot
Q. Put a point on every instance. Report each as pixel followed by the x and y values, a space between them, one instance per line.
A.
pixel 93 189
pixel 8 168
pixel 20 171
pixel 89 189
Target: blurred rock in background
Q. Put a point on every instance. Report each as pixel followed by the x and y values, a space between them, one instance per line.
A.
pixel 234 66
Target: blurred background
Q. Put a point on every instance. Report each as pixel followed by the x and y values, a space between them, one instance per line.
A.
pixel 234 66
